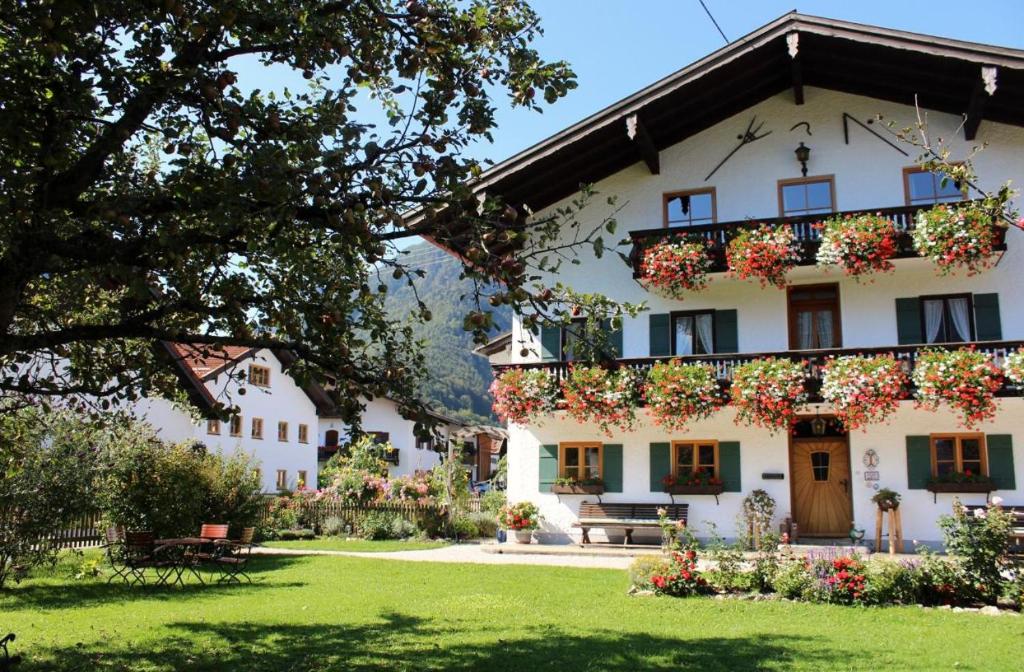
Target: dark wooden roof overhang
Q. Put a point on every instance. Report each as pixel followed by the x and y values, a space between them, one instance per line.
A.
pixel 789 53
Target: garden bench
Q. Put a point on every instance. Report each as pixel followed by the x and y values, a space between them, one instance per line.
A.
pixel 1016 532
pixel 624 516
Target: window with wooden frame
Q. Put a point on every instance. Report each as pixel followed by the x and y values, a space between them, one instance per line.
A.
pixel 807 196
pixel 693 332
pixel 924 187
pixel 259 375
pixel 580 460
pixel 814 318
pixel 303 433
pixel 282 479
pixel 693 207
pixel 959 454
pixel 694 457
pixel 947 318
pixel 236 425
pixel 213 426
pixel 301 482
pixel 257 428
pixel 282 431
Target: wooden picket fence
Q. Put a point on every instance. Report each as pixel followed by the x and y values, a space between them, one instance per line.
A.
pixel 313 513
pixel 83 531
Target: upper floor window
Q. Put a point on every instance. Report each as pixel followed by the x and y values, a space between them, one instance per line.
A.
pixel 690 208
pixel 300 482
pixel 579 461
pixel 923 187
pixel 282 431
pixel 303 433
pixel 236 425
pixel 578 339
pixel 958 454
pixel 814 321
pixel 257 428
pixel 947 319
pixel 380 437
pixel 693 333
pixel 282 479
pixel 259 375
pixel 807 196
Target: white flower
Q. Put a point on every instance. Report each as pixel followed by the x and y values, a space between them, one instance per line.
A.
pixel 996 501
pixel 979 513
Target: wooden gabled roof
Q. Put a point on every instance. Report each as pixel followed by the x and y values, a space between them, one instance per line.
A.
pixel 945 75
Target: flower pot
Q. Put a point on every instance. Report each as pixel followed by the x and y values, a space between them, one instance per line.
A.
pixel 708 489
pixel 523 536
pixel 577 489
pixel 985 487
pixel 887 506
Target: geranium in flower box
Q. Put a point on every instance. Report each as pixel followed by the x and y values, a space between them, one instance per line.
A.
pixel 859 244
pixel 767 392
pixel 966 380
pixel 523 395
pixel 863 390
pixel 965 481
pixel 675 267
pixel 678 393
pixel 694 483
pixel 572 486
pixel 955 236
pixel 604 396
pixel 763 252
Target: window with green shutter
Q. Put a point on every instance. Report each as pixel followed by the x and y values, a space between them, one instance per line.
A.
pixel 919 462
pixel 988 325
pixel 612 458
pixel 1000 461
pixel 908 321
pixel 660 465
pixel 723 328
pixel 660 335
pixel 547 467
pixel 729 466
pixel 726 332
pixel 551 343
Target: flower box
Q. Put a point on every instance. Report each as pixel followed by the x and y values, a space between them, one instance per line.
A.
pixel 985 487
pixel 709 489
pixel 577 489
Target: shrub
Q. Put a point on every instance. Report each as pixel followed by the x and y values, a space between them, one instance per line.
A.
pixel 295 535
pixel 523 395
pixel 939 580
pixel 464 526
pixel 644 567
pixel 840 580
pixel 980 541
pixel 334 526
pixel 379 525
pixel 675 267
pixel 964 379
pixel 682 577
pixel 492 501
pixel 608 398
pixel 766 392
pixel 728 559
pixel 890 582
pixel 766 564
pixel 678 393
pixel 794 579
pixel 486 524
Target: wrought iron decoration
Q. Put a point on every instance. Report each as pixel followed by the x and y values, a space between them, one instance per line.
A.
pixel 747 137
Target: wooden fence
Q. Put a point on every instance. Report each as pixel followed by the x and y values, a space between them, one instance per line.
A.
pixel 313 513
pixel 82 531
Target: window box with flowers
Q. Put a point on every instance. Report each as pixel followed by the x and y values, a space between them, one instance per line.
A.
pixel 957 236
pixel 863 390
pixel 965 379
pixel 859 244
pixel 961 482
pixel 676 267
pixel 523 395
pixel 571 486
pixel 767 392
pixel 678 393
pixel 521 519
pixel 606 397
pixel 701 483
pixel 763 252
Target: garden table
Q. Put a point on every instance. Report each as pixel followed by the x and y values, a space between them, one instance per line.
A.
pixel 185 550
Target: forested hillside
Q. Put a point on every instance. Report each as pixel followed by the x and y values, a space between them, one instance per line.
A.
pixel 457 379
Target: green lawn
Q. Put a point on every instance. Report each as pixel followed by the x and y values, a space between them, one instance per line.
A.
pixel 357 545
pixel 334 613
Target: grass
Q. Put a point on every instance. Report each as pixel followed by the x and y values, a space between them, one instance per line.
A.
pixel 335 613
pixel 357 545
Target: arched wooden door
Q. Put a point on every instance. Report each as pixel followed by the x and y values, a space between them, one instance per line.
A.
pixel 820 474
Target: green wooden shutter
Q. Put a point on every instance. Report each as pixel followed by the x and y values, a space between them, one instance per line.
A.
pixel 660 335
pixel 612 467
pixel 661 465
pixel 726 336
pixel 908 321
pixel 988 326
pixel 614 338
pixel 550 343
pixel 919 462
pixel 729 466
pixel 548 467
pixel 1000 461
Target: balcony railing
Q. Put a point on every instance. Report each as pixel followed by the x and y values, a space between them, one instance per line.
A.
pixel 725 364
pixel 804 229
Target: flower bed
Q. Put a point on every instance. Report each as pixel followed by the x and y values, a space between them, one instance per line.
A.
pixel 764 252
pixel 676 267
pixel 964 379
pixel 767 392
pixel 681 577
pixel 605 397
pixel 956 237
pixel 677 393
pixel 523 395
pixel 858 244
pixel 863 390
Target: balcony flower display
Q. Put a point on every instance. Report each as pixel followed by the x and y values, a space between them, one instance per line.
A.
pixel 859 244
pixel 677 393
pixel 1013 367
pixel 523 395
pixel 764 252
pixel 676 267
pixel 766 392
pixel 956 236
pixel 603 396
pixel 863 390
pixel 964 379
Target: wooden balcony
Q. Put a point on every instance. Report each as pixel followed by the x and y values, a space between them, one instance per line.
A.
pixel 724 364
pixel 804 229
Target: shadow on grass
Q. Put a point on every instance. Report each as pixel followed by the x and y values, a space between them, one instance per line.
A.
pixel 400 641
pixel 43 594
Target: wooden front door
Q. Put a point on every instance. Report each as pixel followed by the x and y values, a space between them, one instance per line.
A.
pixel 820 475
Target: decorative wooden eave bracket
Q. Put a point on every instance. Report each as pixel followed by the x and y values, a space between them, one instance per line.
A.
pixel 984 88
pixel 796 72
pixel 641 139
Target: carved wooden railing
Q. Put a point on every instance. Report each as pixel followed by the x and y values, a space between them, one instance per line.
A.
pixel 805 230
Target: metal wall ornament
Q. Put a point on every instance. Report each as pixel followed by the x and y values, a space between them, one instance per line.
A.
pixel 745 138
pixel 847 117
pixel 870 458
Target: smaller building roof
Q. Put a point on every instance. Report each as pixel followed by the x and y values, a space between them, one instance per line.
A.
pixel 206 360
pixel 495 345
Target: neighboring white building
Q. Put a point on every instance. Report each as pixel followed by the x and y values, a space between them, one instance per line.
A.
pixel 277 421
pixel 797 80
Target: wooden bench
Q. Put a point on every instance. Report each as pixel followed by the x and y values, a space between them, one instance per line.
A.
pixel 624 516
pixel 1016 532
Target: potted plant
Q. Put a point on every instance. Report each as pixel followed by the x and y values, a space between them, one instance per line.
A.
pixel 571 486
pixel 763 252
pixel 964 379
pixel 859 244
pixel 886 499
pixel 607 397
pixel 521 519
pixel 957 236
pixel 675 267
pixel 523 395
pixel 677 393
pixel 965 481
pixel 766 392
pixel 863 390
pixel 693 483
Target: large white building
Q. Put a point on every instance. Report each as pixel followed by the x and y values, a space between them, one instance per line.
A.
pixel 821 83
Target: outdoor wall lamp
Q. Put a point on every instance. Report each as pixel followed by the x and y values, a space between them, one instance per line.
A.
pixel 803 155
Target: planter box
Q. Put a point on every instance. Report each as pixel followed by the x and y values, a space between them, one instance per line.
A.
pixel 695 489
pixel 577 489
pixel 961 487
